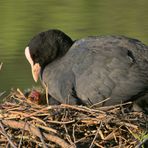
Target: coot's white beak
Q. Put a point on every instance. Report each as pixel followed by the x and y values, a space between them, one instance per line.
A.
pixel 36 71
pixel 36 68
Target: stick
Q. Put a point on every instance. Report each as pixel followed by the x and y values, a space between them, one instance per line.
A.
pixel 5 134
pixel 106 108
pixel 47 99
pixel 33 130
pixel 58 122
pixel 49 129
pixel 2 93
pixel 1 65
pixel 41 138
pixel 92 143
pixel 22 135
pixel 100 102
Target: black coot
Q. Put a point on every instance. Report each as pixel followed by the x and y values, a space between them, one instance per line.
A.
pixel 90 70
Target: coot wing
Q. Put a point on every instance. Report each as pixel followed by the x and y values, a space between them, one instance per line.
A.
pixel 107 67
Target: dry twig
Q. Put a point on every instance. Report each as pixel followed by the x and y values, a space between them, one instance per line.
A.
pixel 5 134
pixel 68 126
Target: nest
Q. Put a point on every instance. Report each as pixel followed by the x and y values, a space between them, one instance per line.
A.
pixel 24 123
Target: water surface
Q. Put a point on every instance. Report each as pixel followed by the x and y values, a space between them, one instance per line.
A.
pixel 20 20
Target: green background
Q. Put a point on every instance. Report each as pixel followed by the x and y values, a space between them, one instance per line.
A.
pixel 20 20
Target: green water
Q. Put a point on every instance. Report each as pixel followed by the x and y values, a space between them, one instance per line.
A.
pixel 22 19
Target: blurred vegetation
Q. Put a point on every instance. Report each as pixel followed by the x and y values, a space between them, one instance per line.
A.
pixel 22 19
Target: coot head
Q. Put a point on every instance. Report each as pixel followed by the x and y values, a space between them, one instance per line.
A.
pixel 46 47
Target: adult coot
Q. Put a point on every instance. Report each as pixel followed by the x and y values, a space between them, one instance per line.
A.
pixel 90 70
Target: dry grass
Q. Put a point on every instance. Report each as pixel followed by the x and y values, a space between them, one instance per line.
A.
pixel 27 124
pixel 1 64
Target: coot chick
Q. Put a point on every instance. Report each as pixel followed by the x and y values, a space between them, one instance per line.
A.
pixel 90 70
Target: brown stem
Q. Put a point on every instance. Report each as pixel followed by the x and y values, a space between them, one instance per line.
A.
pixel 34 130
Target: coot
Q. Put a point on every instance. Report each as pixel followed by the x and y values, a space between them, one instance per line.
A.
pixel 90 70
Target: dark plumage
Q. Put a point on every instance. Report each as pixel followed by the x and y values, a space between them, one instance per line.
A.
pixel 92 69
